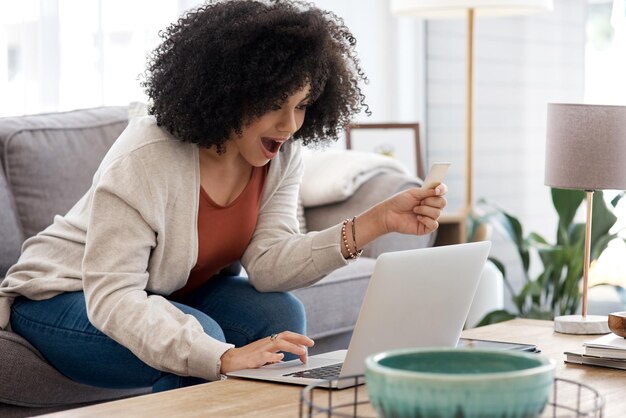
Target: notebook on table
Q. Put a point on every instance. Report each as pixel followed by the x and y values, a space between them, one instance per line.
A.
pixel 415 298
pixel 606 351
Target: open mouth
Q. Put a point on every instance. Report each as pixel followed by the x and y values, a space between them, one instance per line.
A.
pixel 270 145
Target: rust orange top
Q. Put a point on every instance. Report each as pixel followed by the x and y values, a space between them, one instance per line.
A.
pixel 224 232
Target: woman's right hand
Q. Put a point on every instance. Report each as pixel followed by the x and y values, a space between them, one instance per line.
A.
pixel 265 351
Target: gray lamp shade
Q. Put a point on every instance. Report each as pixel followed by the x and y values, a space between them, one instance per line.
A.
pixel 586 147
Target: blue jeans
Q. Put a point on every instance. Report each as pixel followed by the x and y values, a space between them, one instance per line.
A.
pixel 228 308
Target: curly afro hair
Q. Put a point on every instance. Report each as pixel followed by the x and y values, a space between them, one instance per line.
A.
pixel 224 64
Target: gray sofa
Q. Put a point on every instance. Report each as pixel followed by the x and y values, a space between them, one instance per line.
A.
pixel 46 164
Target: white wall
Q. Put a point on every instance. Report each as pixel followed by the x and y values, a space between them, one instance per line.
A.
pixel 391 53
pixel 520 64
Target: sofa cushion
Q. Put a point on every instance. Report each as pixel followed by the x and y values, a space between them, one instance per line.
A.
pixel 370 193
pixel 9 228
pixel 23 366
pixel 49 160
pixel 333 304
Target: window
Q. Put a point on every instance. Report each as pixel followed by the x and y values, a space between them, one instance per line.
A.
pixel 67 54
pixel 605 52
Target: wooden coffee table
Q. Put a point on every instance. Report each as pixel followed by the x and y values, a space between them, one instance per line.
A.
pixel 246 398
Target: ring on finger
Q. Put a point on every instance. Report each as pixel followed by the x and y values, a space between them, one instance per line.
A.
pixel 273 337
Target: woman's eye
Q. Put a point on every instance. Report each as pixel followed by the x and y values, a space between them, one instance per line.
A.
pixel 303 106
pixel 275 107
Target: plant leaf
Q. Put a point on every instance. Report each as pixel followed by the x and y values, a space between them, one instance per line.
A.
pixel 531 289
pixel 600 245
pixel 498 265
pixel 511 227
pixel 576 235
pixel 571 293
pixel 538 313
pixel 494 317
pixel 602 218
pixel 557 288
pixel 566 203
pixel 507 224
pixel 518 234
pixel 471 224
pixel 552 255
pixel 617 198
pixel 535 237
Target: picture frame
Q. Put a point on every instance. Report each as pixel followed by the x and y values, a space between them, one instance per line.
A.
pixel 396 140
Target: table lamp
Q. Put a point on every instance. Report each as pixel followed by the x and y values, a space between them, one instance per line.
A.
pixel 459 8
pixel 585 150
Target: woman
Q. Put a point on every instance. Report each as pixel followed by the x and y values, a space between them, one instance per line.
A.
pixel 123 290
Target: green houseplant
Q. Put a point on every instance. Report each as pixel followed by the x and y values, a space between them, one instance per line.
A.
pixel 556 289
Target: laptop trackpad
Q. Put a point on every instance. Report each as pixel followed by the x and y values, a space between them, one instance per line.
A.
pixel 318 360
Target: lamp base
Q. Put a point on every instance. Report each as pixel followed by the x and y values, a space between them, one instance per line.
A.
pixel 577 324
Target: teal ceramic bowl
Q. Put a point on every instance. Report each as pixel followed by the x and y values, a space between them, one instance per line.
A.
pixel 455 383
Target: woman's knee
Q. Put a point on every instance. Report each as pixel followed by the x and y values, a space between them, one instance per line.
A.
pixel 287 311
pixel 209 325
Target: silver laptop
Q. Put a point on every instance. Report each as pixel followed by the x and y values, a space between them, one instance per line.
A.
pixel 415 298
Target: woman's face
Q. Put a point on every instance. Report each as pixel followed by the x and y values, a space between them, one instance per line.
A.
pixel 261 140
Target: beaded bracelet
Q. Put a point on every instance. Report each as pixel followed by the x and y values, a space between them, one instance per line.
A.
pixel 357 253
pixel 356 248
pixel 354 234
pixel 345 239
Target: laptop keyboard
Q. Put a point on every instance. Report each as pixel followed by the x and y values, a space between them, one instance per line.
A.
pixel 329 372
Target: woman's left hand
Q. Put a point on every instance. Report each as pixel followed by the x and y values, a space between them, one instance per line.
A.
pixel 414 211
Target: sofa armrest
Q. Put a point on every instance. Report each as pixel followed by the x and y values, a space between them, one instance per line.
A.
pixel 371 192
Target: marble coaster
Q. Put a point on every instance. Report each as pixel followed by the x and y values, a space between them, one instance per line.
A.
pixel 577 324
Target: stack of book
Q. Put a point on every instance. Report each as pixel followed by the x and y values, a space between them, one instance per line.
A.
pixel 606 351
